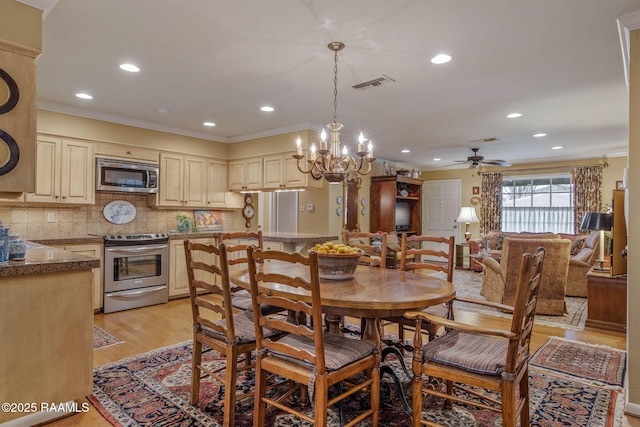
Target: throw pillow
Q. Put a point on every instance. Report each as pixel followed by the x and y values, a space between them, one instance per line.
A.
pixel 577 245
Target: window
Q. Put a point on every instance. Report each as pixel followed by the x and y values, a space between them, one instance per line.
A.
pixel 537 204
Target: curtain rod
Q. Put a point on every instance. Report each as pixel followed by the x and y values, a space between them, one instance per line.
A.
pixel 562 168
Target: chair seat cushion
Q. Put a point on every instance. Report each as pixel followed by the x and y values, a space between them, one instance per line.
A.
pixel 243 326
pixel 480 354
pixel 242 300
pixel 339 351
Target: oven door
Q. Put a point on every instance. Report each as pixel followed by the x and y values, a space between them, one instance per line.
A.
pixel 132 267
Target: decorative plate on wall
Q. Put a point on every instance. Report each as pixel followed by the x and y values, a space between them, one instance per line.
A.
pixel 119 212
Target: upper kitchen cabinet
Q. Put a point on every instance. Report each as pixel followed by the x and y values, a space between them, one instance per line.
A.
pixel 245 174
pixel 281 171
pixel 216 183
pixel 64 172
pixel 183 181
pixel 121 151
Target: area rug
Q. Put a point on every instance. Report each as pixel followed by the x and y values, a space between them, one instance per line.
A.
pixel 600 364
pixel 468 284
pixel 102 338
pixel 152 389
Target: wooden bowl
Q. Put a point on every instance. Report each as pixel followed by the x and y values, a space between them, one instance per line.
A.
pixel 337 266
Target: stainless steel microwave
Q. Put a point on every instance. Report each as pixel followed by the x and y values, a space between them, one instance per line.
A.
pixel 125 176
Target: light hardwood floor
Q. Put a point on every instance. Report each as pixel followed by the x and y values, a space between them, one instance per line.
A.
pixel 149 328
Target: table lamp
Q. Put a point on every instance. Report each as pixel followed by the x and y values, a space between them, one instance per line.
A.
pixel 467 215
pixel 598 221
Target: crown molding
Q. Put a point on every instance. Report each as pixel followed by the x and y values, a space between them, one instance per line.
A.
pixel 626 24
pixel 44 5
pixel 297 127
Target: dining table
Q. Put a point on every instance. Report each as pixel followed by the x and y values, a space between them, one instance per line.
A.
pixel 372 293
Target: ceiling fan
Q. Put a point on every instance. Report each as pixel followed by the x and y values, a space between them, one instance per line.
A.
pixel 477 160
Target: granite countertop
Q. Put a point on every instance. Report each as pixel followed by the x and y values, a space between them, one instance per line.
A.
pixel 40 259
pixel 267 236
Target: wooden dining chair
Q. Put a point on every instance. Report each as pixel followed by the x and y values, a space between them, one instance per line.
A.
pixel 215 325
pixel 306 356
pixel 485 358
pixel 373 254
pixel 237 258
pixel 427 255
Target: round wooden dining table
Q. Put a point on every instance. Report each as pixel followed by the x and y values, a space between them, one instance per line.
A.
pixel 373 293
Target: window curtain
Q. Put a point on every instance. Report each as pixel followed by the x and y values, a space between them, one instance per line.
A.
pixel 491 206
pixel 587 184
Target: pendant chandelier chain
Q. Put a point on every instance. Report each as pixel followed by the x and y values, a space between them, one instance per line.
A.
pixel 335 87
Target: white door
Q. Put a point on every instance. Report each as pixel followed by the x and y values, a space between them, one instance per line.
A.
pixel 440 208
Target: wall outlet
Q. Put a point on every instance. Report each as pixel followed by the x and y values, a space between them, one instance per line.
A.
pixel 51 217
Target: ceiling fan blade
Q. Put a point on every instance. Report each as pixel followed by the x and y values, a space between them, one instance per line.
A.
pixel 497 163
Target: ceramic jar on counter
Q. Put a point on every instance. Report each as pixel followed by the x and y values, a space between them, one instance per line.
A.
pixel 17 248
pixel 4 243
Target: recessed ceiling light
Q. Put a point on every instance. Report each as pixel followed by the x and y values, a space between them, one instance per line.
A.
pixel 210 124
pixel 84 95
pixel 514 115
pixel 539 135
pixel 442 58
pixel 267 108
pixel 405 151
pixel 129 67
pixel 437 159
pixel 162 110
pixel 557 147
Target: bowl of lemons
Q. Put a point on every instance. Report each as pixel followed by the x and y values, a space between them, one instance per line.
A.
pixel 337 261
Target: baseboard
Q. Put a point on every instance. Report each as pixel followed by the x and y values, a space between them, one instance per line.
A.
pixel 632 409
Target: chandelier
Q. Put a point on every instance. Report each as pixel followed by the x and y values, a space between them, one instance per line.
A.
pixel 331 160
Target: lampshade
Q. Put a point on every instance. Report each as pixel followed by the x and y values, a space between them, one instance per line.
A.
pixel 596 221
pixel 467 214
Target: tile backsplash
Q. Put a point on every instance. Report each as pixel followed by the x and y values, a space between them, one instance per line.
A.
pixel 34 223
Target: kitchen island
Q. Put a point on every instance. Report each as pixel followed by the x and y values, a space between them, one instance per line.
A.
pixel 46 325
pixel 291 242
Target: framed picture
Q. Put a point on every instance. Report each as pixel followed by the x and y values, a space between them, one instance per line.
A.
pixel 619 185
pixel 476 190
pixel 208 220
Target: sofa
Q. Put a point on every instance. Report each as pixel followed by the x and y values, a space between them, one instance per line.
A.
pixel 500 278
pixel 584 253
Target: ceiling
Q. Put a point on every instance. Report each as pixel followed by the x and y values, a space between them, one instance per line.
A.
pixel 558 63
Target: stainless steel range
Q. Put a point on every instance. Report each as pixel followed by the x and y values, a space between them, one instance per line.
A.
pixel 135 271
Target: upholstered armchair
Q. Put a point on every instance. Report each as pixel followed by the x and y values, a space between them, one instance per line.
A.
pixel 580 264
pixel 500 277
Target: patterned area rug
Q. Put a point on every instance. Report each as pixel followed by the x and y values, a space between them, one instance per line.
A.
pixel 102 338
pixel 468 284
pixel 603 365
pixel 152 389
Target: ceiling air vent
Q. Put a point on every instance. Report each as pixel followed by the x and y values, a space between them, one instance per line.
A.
pixel 374 83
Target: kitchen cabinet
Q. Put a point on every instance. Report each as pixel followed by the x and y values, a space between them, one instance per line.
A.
pixel 183 181
pixel 396 204
pixel 105 149
pixel 245 174
pixel 11 198
pixel 64 172
pixel 178 277
pixel 93 251
pixel 216 183
pixel 281 171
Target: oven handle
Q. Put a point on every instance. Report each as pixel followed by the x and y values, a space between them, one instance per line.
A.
pixel 131 294
pixel 136 250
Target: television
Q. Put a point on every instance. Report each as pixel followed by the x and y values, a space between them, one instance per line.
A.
pixel 403 216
